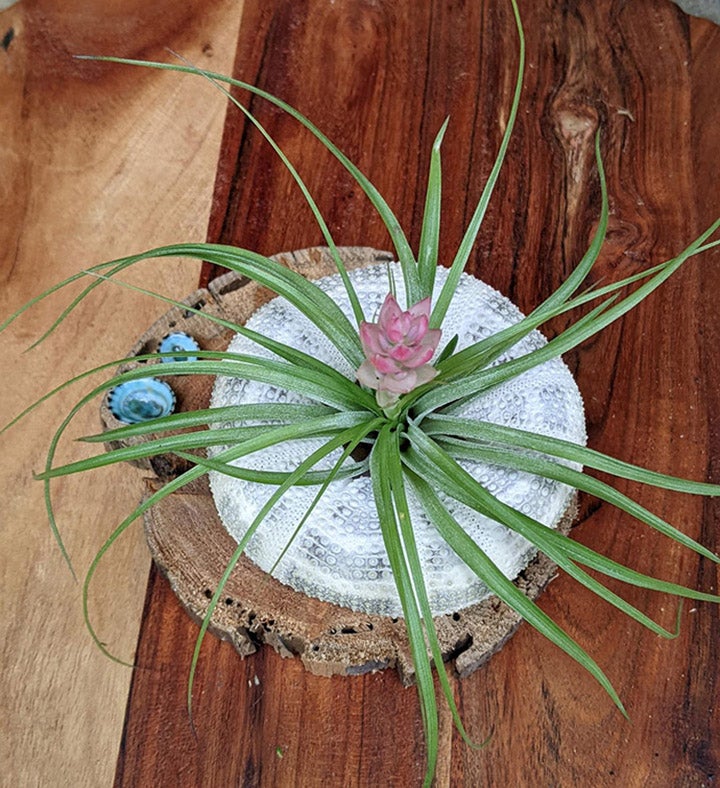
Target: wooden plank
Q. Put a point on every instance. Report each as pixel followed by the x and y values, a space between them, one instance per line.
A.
pixel 380 78
pixel 94 165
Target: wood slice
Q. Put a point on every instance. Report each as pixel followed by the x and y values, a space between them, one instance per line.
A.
pixel 192 548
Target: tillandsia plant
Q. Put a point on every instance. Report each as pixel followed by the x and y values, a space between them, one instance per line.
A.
pixel 398 349
pixel 403 402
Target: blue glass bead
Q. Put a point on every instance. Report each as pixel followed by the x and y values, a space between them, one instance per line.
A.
pixel 141 400
pixel 177 341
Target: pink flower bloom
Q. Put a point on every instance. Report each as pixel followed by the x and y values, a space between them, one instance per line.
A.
pixel 398 348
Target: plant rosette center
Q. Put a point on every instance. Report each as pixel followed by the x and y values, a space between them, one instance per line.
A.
pixel 398 348
pixel 338 555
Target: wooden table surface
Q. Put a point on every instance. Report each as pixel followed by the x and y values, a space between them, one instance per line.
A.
pixel 101 161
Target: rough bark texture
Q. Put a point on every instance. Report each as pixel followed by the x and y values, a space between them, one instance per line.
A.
pixel 192 548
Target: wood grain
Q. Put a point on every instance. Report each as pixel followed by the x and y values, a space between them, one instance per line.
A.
pixel 93 165
pixel 379 79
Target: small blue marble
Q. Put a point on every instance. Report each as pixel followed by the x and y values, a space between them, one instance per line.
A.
pixel 178 341
pixel 141 400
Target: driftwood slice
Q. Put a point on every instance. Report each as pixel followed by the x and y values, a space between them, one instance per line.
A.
pixel 192 548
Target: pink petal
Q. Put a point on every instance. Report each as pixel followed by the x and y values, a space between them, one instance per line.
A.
pixel 402 352
pixel 405 322
pixel 425 374
pixel 400 382
pixel 432 338
pixel 420 356
pixel 367 375
pixel 398 348
pixel 417 330
pixel 370 338
pixel 389 310
pixel 421 308
pixel 385 344
pixel 393 329
pixel 385 365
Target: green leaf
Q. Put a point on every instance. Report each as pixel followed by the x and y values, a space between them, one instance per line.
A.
pixel 324 229
pixel 596 292
pixel 284 412
pixel 269 438
pixel 217 437
pixel 59 286
pixel 284 351
pixel 276 477
pixel 555 447
pixel 395 470
pixel 548 469
pixel 52 448
pixel 430 234
pixel 580 273
pixel 487 350
pixel 441 468
pixel 380 477
pixel 482 353
pixel 570 338
pixel 447 351
pixel 338 392
pixel 427 458
pixel 402 247
pixel 473 384
pixel 337 472
pixel 146 505
pixel 356 395
pixel 292 479
pixel 70 382
pixel 496 581
pixel 167 368
pixel 315 304
pixel 560 557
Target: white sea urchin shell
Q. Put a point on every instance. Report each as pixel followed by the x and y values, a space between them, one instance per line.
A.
pixel 339 555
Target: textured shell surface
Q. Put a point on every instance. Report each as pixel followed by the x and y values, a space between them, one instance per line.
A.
pixel 176 342
pixel 339 555
pixel 141 400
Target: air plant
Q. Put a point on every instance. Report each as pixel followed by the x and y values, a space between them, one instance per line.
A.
pixel 398 349
pixel 403 403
